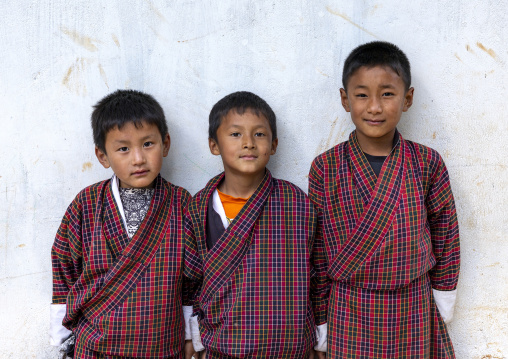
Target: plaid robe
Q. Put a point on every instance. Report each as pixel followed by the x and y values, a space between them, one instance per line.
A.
pixel 389 241
pixel 263 279
pixel 123 296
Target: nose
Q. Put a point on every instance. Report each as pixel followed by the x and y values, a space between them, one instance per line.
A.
pixel 374 105
pixel 248 141
pixel 138 157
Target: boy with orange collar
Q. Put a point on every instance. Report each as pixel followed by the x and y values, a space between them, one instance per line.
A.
pixel 251 248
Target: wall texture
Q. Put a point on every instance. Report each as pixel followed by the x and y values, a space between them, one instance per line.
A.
pixel 59 57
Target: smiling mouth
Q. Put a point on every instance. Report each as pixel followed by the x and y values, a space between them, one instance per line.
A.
pixel 374 122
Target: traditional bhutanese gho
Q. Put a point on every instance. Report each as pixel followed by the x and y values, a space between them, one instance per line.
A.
pixel 260 281
pixel 392 250
pixel 123 296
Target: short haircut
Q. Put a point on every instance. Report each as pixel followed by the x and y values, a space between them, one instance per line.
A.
pixel 240 102
pixel 377 53
pixel 122 107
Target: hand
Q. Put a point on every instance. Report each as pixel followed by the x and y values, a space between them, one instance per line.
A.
pixel 202 355
pixel 189 351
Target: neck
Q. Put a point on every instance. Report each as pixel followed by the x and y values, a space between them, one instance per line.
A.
pixel 380 146
pixel 240 185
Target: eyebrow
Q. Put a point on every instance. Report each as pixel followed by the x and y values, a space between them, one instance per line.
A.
pixel 241 127
pixel 128 141
pixel 384 86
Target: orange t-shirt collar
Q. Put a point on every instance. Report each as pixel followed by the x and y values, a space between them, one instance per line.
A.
pixel 232 205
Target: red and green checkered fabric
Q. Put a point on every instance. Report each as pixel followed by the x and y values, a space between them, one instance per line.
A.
pixel 263 284
pixel 124 296
pixel 388 241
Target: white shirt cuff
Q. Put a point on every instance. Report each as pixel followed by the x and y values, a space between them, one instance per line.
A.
pixel 321 335
pixel 187 313
pixel 445 302
pixel 57 332
pixel 196 336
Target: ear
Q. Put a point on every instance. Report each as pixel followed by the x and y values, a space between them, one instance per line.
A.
pixel 344 100
pixel 166 144
pixel 275 143
pixel 214 147
pixel 408 99
pixel 102 157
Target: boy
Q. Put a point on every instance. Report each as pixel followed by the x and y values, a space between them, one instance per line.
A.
pixel 250 246
pixel 388 221
pixel 118 254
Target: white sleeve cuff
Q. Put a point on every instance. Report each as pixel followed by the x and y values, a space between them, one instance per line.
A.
pixel 196 336
pixel 321 334
pixel 187 313
pixel 57 332
pixel 445 302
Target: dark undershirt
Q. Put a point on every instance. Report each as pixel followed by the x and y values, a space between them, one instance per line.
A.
pixel 214 226
pixel 376 162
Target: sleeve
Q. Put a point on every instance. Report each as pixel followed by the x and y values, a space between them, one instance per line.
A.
pixel 186 300
pixel 444 230
pixel 187 286
pixel 187 313
pixel 66 269
pixel 321 338
pixel 196 335
pixel 445 302
pixel 320 283
pixel 316 186
pixel 193 276
pixel 57 332
pixel 193 265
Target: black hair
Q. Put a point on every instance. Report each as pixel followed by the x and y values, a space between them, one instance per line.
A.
pixel 122 107
pixel 377 53
pixel 240 102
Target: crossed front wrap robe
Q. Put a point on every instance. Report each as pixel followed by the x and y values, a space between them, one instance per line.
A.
pixel 262 287
pixel 123 297
pixel 391 241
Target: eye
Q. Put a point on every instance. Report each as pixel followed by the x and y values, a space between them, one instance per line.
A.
pixel 123 149
pixel 147 144
pixel 361 95
pixel 235 134
pixel 388 94
pixel 259 134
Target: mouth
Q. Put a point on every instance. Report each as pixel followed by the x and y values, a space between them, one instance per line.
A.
pixel 140 173
pixel 248 157
pixel 374 122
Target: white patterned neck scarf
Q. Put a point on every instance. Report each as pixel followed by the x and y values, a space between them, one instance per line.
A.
pixel 136 202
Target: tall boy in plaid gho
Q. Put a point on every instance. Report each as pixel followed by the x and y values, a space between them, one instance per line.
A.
pixel 387 217
pixel 259 272
pixel 118 284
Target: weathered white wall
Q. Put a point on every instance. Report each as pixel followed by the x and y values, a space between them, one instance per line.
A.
pixel 59 57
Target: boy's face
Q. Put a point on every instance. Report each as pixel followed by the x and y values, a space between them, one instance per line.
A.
pixel 134 154
pixel 376 98
pixel 245 143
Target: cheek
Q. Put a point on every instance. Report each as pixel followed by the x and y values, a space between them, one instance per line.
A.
pixel 354 111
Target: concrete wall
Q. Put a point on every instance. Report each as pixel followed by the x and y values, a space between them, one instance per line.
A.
pixel 59 57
